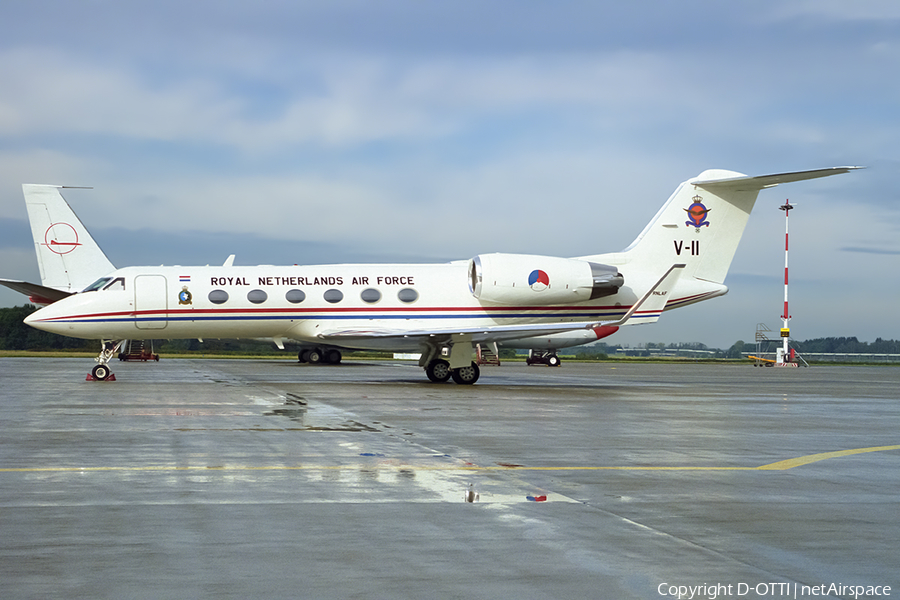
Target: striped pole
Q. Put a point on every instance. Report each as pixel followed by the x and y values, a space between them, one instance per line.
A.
pixel 785 330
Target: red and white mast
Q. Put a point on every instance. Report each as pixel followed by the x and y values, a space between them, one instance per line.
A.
pixel 784 356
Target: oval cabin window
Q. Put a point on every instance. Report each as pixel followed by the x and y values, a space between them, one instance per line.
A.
pixel 370 295
pixel 295 296
pixel 334 296
pixel 218 296
pixel 257 296
pixel 408 295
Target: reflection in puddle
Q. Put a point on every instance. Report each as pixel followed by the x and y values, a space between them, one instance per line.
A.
pixel 294 414
pixel 317 418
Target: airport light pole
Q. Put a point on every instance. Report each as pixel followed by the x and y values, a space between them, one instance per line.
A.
pixel 784 357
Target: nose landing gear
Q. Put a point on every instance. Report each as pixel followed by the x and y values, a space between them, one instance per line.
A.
pixel 102 372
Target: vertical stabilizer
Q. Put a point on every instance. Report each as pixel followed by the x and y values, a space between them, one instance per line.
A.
pixel 702 222
pixel 68 257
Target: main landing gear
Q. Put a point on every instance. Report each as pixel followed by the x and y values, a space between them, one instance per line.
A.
pixel 466 375
pixel 316 356
pixel 102 372
pixel 439 371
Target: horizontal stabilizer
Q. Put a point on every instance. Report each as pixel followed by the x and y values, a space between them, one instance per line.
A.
pixel 38 294
pixel 746 183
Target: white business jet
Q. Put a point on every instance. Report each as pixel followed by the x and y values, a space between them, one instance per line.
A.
pixel 440 310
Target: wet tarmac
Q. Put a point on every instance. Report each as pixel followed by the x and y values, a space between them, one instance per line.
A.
pixel 271 479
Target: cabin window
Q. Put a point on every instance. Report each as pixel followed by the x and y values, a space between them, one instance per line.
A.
pixel 333 296
pixel 408 295
pixel 370 295
pixel 218 296
pixel 117 284
pixel 257 296
pixel 97 284
pixel 295 296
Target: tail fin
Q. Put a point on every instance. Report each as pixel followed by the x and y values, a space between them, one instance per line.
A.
pixel 702 222
pixel 68 257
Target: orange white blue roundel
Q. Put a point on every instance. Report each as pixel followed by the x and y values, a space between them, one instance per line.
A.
pixel 539 280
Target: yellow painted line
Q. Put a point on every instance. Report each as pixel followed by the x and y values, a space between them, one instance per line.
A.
pixel 782 465
pixel 811 458
pixel 611 468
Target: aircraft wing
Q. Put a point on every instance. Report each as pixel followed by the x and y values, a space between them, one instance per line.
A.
pixel 39 294
pixel 646 310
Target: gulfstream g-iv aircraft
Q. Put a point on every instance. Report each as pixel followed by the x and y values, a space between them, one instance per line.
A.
pixel 441 310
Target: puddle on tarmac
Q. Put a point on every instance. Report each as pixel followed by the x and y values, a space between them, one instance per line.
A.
pixel 316 417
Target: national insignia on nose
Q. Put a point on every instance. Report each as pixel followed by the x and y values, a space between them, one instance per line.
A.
pixel 184 296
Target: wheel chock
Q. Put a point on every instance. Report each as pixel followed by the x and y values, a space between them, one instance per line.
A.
pixel 112 377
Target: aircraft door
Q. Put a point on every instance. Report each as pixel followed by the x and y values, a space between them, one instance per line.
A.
pixel 150 302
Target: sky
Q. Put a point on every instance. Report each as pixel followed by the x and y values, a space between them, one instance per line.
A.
pixel 293 132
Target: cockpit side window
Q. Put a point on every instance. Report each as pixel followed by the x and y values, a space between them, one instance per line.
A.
pixel 117 284
pixel 97 284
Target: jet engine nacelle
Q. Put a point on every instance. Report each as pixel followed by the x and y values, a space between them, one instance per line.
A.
pixel 525 279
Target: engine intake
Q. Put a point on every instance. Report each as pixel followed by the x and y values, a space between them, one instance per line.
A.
pixel 526 279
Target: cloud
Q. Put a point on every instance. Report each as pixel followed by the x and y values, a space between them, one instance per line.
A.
pixel 340 100
pixel 48 91
pixel 870 250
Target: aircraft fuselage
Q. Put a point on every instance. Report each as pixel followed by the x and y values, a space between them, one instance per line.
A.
pixel 300 303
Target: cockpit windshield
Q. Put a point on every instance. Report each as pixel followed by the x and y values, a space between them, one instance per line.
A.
pixel 106 284
pixel 117 284
pixel 97 285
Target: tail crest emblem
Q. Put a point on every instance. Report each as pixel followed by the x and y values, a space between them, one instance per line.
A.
pixel 697 213
pixel 61 238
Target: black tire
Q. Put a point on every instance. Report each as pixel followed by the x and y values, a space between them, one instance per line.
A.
pixel 553 361
pixel 314 356
pixel 466 375
pixel 303 356
pixel 100 372
pixel 438 370
pixel 333 357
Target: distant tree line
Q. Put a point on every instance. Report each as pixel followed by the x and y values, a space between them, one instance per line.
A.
pixel 847 345
pixel 16 335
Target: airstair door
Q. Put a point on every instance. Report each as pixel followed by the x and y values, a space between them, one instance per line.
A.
pixel 150 302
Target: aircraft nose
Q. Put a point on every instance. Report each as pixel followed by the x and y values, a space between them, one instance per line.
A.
pixel 34 318
pixel 39 320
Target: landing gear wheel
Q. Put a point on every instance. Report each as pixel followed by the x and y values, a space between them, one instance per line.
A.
pixel 100 372
pixel 314 356
pixel 466 375
pixel 553 361
pixel 438 370
pixel 303 356
pixel 333 357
